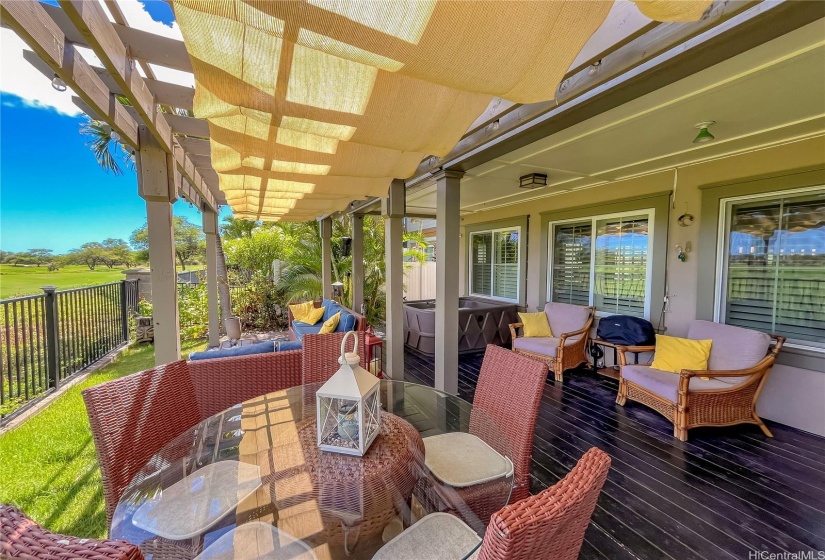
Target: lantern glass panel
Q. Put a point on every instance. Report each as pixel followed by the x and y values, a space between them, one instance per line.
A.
pixel 339 423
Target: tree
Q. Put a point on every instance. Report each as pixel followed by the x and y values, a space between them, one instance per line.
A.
pixel 189 241
pixel 117 252
pixel 90 254
pixel 233 228
pixel 41 256
pixel 107 151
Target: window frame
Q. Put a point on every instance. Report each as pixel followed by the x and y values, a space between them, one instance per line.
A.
pixel 518 263
pixel 594 219
pixel 722 254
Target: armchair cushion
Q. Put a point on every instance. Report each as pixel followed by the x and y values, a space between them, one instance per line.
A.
pixel 674 354
pixel 733 347
pixel 566 317
pixel 664 383
pixel 545 345
pixel 535 324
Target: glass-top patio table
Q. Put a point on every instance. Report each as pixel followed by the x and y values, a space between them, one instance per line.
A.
pixel 250 482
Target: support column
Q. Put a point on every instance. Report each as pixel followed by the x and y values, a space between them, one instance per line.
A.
pixel 326 257
pixel 156 185
pixel 358 263
pixel 210 230
pixel 447 266
pixel 393 209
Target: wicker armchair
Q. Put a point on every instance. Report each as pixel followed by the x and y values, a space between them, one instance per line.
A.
pixel 505 419
pixel 20 537
pixel 561 351
pixel 135 416
pixel 320 353
pixel 548 525
pixel 724 395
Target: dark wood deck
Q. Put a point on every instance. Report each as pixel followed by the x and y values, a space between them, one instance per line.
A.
pixel 724 493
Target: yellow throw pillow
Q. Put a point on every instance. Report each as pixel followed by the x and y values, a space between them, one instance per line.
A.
pixel 330 324
pixel 535 324
pixel 300 310
pixel 313 316
pixel 675 354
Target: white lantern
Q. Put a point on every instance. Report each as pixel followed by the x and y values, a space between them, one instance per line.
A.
pixel 348 404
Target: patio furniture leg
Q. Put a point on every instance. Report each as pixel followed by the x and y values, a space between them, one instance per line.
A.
pixel 762 425
pixel 621 397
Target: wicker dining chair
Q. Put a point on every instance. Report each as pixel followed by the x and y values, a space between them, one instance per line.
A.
pixel 505 408
pixel 723 395
pixel 320 355
pixel 550 524
pixel 566 349
pixel 20 537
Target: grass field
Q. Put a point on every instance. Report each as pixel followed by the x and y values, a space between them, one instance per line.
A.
pixel 48 467
pixel 26 280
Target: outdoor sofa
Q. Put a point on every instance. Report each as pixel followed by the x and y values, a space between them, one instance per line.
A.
pixel 349 321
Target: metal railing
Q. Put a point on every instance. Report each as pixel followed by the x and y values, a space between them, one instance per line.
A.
pixel 47 338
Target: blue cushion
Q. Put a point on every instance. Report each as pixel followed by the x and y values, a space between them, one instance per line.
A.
pixel 287 345
pixel 300 328
pixel 346 322
pixel 330 308
pixel 257 348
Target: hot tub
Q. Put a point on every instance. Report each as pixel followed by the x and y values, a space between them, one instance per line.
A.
pixel 480 322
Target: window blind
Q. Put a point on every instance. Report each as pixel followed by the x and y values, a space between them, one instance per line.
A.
pixel 571 263
pixel 505 267
pixel 620 275
pixel 776 266
pixel 482 263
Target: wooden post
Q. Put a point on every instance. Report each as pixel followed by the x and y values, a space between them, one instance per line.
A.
pixel 156 185
pixel 52 338
pixel 393 209
pixel 326 257
pixel 447 284
pixel 210 230
pixel 358 263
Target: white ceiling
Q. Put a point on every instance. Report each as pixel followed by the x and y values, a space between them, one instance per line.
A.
pixel 769 95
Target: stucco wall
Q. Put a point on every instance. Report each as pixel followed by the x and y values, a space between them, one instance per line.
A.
pixel 792 395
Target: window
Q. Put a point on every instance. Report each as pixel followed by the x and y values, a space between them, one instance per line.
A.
pixel 494 263
pixel 773 264
pixel 603 261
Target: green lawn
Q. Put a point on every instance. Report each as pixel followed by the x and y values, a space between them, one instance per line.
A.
pixel 25 280
pixel 48 466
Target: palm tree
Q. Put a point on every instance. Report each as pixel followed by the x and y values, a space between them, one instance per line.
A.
pixel 107 150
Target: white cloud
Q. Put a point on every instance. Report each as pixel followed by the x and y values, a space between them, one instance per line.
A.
pixel 137 17
pixel 20 78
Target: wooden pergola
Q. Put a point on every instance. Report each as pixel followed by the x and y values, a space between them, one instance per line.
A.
pixel 174 156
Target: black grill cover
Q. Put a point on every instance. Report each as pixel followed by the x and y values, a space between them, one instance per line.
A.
pixel 626 330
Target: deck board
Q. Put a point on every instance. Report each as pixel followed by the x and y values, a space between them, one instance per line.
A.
pixel 722 494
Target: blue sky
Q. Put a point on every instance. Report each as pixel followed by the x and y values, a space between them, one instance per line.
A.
pixel 52 192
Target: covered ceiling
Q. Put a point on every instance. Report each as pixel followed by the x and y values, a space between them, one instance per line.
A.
pixel 769 95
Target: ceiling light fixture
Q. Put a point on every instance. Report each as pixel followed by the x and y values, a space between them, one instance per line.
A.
pixel 58 83
pixel 532 181
pixel 594 68
pixel 704 134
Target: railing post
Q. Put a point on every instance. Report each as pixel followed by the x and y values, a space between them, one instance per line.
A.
pixel 52 339
pixel 124 311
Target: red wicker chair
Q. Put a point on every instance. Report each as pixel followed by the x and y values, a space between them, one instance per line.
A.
pixel 135 416
pixel 504 414
pixel 20 537
pixel 548 525
pixel 320 353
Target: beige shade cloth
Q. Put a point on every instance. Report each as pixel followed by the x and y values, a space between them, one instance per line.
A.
pixel 359 91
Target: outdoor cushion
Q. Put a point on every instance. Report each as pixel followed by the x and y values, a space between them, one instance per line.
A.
pixel 346 323
pixel 314 316
pixel 300 329
pixel 675 354
pixel 535 324
pixel 257 348
pixel 330 324
pixel 733 347
pixel 287 345
pixel 331 307
pixel 437 535
pixel 566 317
pixel 300 310
pixel 478 461
pixel 545 345
pixel 664 383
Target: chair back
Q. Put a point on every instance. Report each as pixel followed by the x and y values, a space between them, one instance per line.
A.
pixel 733 347
pixel 566 317
pixel 550 524
pixel 223 382
pixel 320 355
pixel 135 416
pixel 20 537
pixel 505 408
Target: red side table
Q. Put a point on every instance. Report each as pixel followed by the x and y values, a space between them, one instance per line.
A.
pixel 375 354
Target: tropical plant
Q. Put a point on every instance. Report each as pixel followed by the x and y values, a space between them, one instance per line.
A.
pixel 108 151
